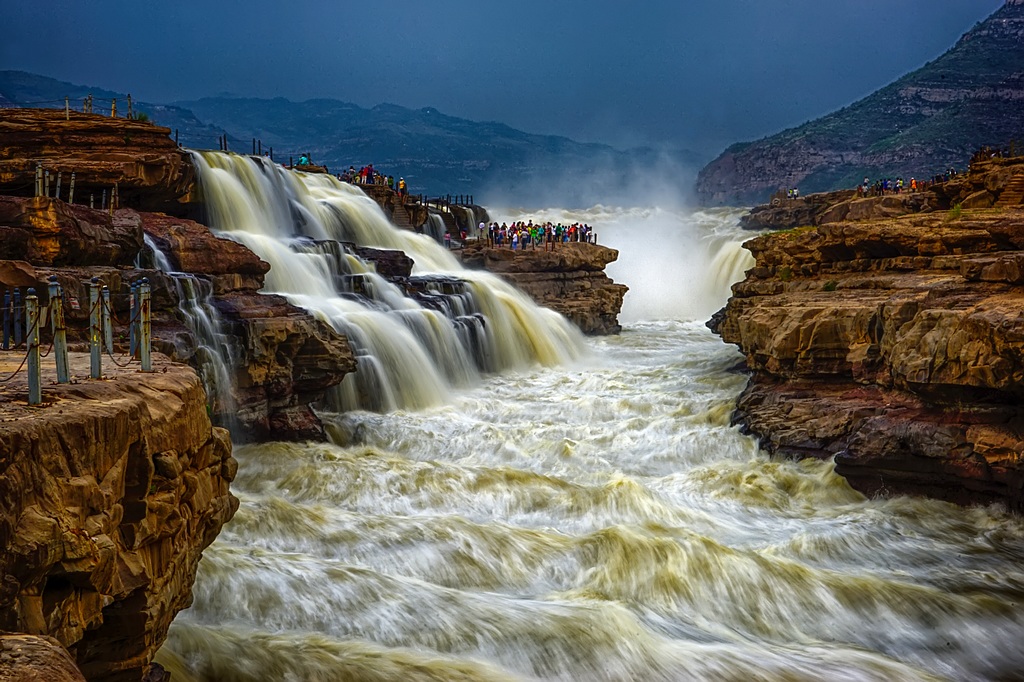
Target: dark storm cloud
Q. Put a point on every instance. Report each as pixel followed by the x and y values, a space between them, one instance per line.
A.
pixel 688 73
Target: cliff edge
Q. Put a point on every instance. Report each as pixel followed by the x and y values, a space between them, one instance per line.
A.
pixel 109 492
pixel 895 345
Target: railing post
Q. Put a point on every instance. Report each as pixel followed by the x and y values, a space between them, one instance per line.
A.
pixel 95 352
pixel 133 319
pixel 92 200
pixel 57 193
pixel 71 191
pixel 144 336
pixel 16 317
pixel 103 203
pixel 108 332
pixel 46 185
pixel 113 108
pixel 60 339
pixel 67 109
pixel 7 319
pixel 35 387
pixel 39 179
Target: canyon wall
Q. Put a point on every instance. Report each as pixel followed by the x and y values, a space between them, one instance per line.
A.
pixel 894 344
pixel 109 492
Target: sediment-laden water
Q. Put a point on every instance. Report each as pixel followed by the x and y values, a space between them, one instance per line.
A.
pixel 596 519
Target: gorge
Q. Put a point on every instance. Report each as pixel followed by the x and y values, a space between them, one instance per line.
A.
pixel 491 494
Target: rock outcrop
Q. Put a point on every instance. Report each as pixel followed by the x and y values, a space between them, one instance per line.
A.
pixel 286 358
pixel 992 182
pixel 569 279
pixel 109 492
pixel 140 158
pixel 922 124
pixel 895 345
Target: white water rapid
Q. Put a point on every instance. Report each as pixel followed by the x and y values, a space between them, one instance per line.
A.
pixel 598 520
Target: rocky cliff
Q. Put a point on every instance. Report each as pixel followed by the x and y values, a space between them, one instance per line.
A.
pixel 140 158
pixel 109 492
pixel 922 124
pixel 569 279
pixel 894 344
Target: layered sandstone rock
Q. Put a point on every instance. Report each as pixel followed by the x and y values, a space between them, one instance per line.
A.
pixel 30 658
pixel 139 157
pixel 286 359
pixel 110 491
pixel 569 279
pixel 896 345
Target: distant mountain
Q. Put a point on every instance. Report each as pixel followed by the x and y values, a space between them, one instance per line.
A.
pixel 436 153
pixel 927 121
pixel 443 154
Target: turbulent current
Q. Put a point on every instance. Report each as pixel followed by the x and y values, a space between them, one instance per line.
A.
pixel 594 518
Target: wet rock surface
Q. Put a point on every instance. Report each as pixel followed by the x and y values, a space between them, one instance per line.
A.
pixel 569 279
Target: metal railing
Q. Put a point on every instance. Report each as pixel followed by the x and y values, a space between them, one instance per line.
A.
pixel 22 320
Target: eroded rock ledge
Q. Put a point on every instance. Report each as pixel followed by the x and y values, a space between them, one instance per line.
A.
pixel 895 345
pixel 569 279
pixel 109 492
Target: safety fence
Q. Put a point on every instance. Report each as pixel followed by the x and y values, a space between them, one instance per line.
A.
pixel 23 318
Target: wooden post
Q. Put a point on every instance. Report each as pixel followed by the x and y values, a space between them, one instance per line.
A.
pixel 103 203
pixel 39 179
pixel 91 200
pixel 259 147
pixel 57 192
pixel 254 146
pixel 35 388
pixel 46 186
pixel 131 113
pixel 67 109
pixel 71 191
pixel 60 340
pixel 176 138
pixel 113 108
pixel 271 153
pixel 85 105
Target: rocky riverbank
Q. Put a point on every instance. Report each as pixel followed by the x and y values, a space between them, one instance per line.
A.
pixel 569 279
pixel 110 491
pixel 894 344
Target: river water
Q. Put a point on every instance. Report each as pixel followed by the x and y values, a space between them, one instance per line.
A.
pixel 595 518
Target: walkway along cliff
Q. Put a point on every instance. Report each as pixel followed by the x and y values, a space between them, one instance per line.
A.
pixel 894 344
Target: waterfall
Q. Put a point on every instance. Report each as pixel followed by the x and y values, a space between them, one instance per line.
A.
pixel 411 349
pixel 214 353
pixel 435 227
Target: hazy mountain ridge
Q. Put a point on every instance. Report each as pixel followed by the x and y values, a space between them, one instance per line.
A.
pixel 923 123
pixel 435 152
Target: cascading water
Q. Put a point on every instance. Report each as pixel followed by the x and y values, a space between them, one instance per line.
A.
pixel 409 356
pixel 599 521
pixel 215 355
pixel 435 227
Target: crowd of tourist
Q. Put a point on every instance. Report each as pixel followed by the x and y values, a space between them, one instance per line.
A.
pixel 528 235
pixel 368 175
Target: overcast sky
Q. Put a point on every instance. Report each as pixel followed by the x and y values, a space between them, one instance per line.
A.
pixel 684 73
